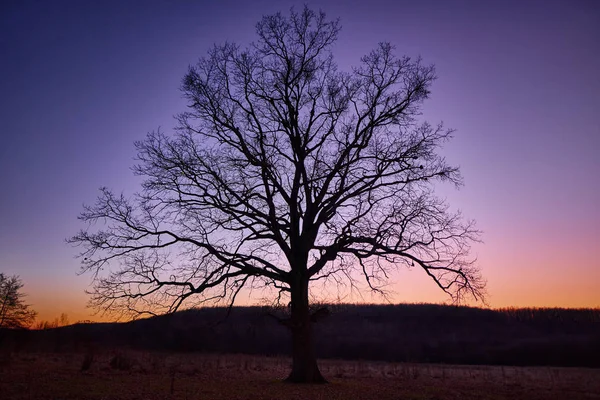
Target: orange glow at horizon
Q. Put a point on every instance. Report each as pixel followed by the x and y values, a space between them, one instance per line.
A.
pixel 537 274
pixel 555 290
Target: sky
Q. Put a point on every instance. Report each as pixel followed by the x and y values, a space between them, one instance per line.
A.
pixel 518 80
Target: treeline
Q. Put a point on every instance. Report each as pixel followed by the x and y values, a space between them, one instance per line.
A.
pixel 409 333
pixel 63 320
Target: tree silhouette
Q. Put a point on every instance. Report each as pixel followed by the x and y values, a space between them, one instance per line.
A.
pixel 14 313
pixel 283 171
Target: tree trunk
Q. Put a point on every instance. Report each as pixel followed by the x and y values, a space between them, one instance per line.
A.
pixel 304 359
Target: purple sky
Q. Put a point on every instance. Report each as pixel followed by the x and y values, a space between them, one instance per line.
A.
pixel 80 81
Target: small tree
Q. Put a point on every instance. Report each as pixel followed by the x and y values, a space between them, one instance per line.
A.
pixel 283 171
pixel 14 313
pixel 63 320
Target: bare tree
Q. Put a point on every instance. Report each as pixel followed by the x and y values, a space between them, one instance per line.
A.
pixel 283 171
pixel 58 322
pixel 14 313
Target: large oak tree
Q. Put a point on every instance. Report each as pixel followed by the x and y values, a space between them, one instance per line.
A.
pixel 284 170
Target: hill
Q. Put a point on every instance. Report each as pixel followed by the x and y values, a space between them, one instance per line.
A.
pixel 407 332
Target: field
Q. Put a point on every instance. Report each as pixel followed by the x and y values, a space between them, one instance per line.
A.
pixel 155 375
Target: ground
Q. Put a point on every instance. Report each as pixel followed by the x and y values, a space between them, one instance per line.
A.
pixel 118 374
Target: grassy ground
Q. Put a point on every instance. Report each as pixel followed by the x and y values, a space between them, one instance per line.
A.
pixel 131 375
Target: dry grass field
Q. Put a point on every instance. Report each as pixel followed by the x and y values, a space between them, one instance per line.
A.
pixel 144 375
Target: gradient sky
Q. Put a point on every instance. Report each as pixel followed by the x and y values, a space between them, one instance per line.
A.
pixel 81 80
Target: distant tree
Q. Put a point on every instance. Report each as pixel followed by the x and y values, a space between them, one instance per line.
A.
pixel 283 171
pixel 63 320
pixel 14 313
